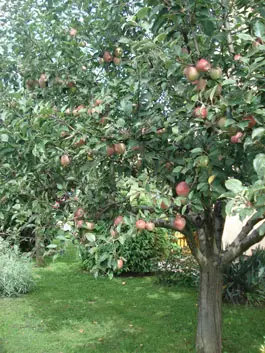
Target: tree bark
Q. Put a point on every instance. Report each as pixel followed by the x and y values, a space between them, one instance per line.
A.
pixel 39 251
pixel 209 334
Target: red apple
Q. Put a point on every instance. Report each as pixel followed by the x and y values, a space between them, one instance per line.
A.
pixel 118 220
pixel 160 131
pixel 182 189
pixel 107 57
pixel 203 65
pixel 236 138
pixel 191 73
pixel 120 264
pixel 79 213
pixel 90 225
pixel 98 102
pixel 119 148
pixel 79 223
pixel 73 32
pixel 110 151
pixel 65 160
pixel 149 226
pixel 237 57
pixel 179 222
pixel 252 121
pixel 117 61
pixel 140 224
pixel 200 112
pixel 215 73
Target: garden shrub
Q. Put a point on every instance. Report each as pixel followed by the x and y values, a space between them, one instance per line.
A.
pixel 244 280
pixel 141 252
pixel 15 271
pixel 144 251
pixel 179 269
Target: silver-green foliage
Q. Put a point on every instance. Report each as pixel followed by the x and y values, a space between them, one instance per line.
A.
pixel 15 271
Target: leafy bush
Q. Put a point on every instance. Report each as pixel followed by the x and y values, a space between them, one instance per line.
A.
pixel 179 269
pixel 141 252
pixel 15 271
pixel 244 280
pixel 144 251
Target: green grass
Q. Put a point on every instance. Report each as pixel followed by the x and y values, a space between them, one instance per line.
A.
pixel 71 312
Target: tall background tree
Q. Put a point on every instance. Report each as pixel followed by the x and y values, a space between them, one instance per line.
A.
pixel 110 97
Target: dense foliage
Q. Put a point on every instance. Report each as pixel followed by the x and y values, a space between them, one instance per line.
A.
pixel 151 110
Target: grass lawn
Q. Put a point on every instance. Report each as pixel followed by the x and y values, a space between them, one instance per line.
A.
pixel 71 312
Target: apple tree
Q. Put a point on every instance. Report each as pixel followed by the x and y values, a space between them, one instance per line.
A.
pixel 152 110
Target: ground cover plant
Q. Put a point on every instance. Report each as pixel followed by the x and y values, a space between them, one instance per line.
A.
pixel 72 312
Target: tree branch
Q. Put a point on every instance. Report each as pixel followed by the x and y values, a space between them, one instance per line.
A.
pixel 243 241
pixel 227 28
pixel 187 232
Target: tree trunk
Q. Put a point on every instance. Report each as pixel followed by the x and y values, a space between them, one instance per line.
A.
pixel 39 251
pixel 209 335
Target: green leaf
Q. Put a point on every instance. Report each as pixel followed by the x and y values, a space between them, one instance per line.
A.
pixel 260 131
pixel 245 37
pixel 234 185
pixel 143 12
pixel 259 165
pixel 51 246
pixel 4 138
pixel 90 237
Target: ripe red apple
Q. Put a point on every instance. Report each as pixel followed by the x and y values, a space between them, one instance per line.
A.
pixel 252 121
pixel 90 225
pixel 79 223
pixel 118 220
pixel 149 226
pixel 237 57
pixel 107 57
pixel 118 52
pixel 203 65
pixel 200 112
pixel 215 73
pixel 191 73
pixel 182 189
pixel 73 32
pixel 110 151
pixel 140 224
pixel 65 160
pixel 79 213
pixel 236 138
pixel 179 222
pixel 117 61
pixel 120 264
pixel 98 102
pixel 119 148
